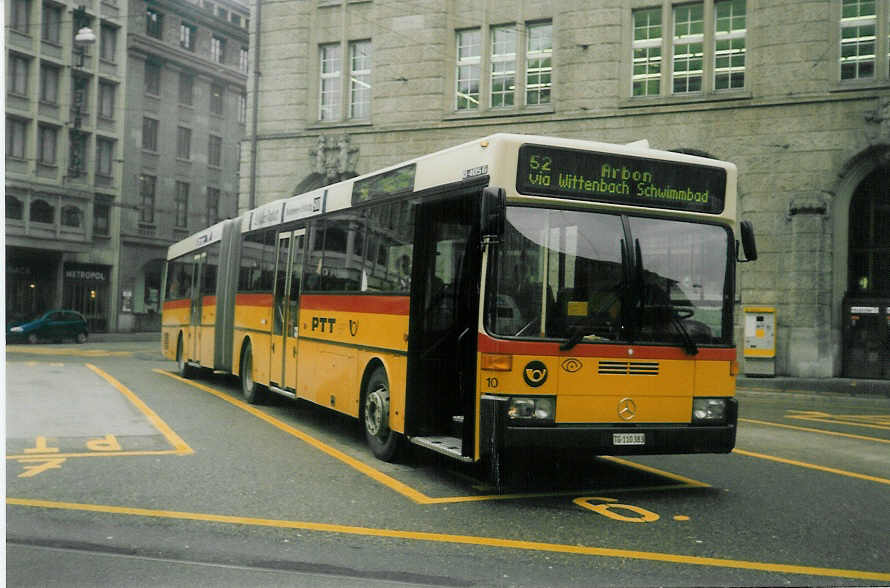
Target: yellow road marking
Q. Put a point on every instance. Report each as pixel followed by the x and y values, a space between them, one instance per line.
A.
pixel 688 481
pixel 811 430
pixel 838 419
pixel 812 466
pixel 22 457
pixel 402 488
pixel 463 540
pixel 31 350
pixel 175 440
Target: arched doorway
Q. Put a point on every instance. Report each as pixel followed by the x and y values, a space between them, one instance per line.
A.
pixel 866 309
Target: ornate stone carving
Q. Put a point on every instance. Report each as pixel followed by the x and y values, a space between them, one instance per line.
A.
pixel 877 126
pixel 334 158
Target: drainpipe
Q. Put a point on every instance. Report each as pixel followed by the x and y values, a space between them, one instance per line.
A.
pixel 257 18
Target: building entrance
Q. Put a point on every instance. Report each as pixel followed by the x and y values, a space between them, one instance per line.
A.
pixel 867 303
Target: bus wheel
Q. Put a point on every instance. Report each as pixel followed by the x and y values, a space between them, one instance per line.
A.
pixel 185 370
pixel 384 442
pixel 253 392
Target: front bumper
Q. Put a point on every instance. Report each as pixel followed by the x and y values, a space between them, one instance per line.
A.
pixel 500 434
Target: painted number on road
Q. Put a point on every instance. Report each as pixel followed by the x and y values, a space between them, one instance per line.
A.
pixel 609 507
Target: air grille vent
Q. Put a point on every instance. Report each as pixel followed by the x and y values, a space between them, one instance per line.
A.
pixel 629 368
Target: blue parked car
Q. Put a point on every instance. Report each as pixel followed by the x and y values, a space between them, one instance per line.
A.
pixel 54 325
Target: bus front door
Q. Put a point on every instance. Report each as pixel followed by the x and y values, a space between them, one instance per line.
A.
pixel 440 400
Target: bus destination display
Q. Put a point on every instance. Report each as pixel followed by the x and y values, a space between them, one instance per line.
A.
pixel 621 179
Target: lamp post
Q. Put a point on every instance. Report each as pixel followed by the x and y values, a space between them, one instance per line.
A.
pixel 84 38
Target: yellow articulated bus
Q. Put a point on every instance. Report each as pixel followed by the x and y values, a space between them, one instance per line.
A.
pixel 508 293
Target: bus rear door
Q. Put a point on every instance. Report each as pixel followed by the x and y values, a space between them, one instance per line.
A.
pixel 283 349
pixel 194 327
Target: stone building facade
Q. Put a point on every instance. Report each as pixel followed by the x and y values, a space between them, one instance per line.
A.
pixel 187 107
pixel 94 193
pixel 796 93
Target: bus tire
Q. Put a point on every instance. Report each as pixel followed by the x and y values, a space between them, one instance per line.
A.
pixel 184 369
pixel 253 392
pixel 383 441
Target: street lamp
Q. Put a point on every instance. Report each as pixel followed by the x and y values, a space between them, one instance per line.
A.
pixel 83 39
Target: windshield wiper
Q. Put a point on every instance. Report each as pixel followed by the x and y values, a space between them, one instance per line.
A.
pixel 688 344
pixel 572 341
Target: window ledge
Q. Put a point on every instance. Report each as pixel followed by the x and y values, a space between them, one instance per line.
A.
pixel 704 98
pixel 855 85
pixel 339 124
pixel 499 113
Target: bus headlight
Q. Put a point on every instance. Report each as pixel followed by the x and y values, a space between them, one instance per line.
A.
pixel 532 409
pixel 708 410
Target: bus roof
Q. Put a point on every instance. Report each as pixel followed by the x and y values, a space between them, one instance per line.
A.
pixel 494 155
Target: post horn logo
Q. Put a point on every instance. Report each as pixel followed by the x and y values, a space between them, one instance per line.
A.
pixel 627 409
pixel 353 327
pixel 535 373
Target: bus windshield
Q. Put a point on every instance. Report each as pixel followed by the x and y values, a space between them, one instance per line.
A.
pixel 596 277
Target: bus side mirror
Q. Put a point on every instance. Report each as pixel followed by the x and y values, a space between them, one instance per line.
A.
pixel 493 212
pixel 749 246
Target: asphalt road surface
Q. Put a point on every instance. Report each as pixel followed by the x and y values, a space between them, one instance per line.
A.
pixel 119 473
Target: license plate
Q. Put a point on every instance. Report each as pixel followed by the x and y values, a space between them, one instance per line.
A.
pixel 628 438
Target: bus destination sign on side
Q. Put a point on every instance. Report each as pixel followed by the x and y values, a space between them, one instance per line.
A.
pixel 621 179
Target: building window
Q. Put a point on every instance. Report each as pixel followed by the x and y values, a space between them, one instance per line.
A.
pixel 869 241
pixel 212 206
pixel 188 36
pixel 77 163
pixel 360 80
pixel 216 99
pixel 149 134
pixel 14 208
pixel 183 143
pixel 101 217
pixel 236 19
pixel 49 84
pixel 186 88
pixel 688 45
pixel 222 13
pixel 106 100
pixel 147 190
pixel 42 211
pixel 16 131
pixel 108 43
pixel 647 52
pixel 80 95
pixel 329 84
pixel 217 49
pixel 858 28
pixel 20 19
pixel 503 66
pixel 71 216
pixel 706 48
pixel 729 45
pixel 104 157
pixel 154 24
pixel 538 64
pixel 469 51
pixel 47 142
pixel 18 74
pixel 52 23
pixel 152 78
pixel 242 108
pixel 243 60
pixel 182 205
pixel 214 151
